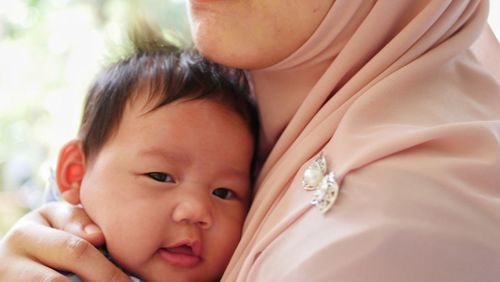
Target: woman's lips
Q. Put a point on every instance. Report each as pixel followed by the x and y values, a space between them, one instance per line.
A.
pixel 182 254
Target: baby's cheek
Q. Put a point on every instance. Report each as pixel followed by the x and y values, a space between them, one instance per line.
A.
pixel 230 238
pixel 128 246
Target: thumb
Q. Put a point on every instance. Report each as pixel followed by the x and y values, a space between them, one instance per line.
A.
pixel 72 219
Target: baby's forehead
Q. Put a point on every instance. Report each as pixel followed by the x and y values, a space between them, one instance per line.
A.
pixel 148 96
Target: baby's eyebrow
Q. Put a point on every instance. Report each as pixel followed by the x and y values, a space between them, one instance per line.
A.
pixel 165 154
pixel 236 173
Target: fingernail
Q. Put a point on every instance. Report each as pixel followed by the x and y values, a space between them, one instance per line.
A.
pixel 91 229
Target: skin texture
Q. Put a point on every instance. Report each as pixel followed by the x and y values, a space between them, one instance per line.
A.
pixel 151 188
pixel 253 34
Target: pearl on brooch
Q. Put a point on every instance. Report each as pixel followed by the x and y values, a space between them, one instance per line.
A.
pixel 314 173
pixel 326 189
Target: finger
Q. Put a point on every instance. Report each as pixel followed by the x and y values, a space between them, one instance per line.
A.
pixel 27 271
pixel 63 251
pixel 72 219
pixel 17 266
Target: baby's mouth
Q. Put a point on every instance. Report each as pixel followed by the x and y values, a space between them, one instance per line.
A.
pixel 182 249
pixel 182 254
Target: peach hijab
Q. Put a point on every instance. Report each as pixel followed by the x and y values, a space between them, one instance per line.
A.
pixel 397 96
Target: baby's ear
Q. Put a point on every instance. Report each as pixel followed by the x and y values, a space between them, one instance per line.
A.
pixel 70 170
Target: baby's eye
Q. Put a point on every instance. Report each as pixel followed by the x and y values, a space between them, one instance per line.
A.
pixel 160 176
pixel 223 193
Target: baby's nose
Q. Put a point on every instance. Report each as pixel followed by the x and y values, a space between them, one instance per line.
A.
pixel 193 208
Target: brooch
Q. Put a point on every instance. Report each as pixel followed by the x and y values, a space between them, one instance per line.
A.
pixel 317 179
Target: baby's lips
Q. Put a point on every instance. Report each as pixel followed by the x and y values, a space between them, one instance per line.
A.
pixel 186 253
pixel 187 247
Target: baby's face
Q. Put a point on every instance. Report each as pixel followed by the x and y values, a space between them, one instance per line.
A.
pixel 170 190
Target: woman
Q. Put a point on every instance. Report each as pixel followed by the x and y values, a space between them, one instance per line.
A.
pixel 384 114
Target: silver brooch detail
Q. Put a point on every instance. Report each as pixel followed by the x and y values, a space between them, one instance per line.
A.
pixel 325 188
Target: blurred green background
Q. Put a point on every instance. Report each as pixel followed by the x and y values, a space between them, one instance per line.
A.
pixel 50 50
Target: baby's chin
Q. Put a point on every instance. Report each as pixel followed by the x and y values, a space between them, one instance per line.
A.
pixel 157 270
pixel 178 276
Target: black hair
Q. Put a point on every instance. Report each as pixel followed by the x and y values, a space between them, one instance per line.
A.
pixel 171 73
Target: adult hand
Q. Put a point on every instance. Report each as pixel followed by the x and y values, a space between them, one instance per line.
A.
pixel 56 236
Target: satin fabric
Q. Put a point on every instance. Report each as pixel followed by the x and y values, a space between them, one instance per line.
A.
pixel 403 99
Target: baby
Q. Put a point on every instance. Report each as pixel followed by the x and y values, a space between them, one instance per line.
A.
pixel 162 162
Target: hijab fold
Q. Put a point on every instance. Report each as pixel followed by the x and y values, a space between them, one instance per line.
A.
pixel 407 114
